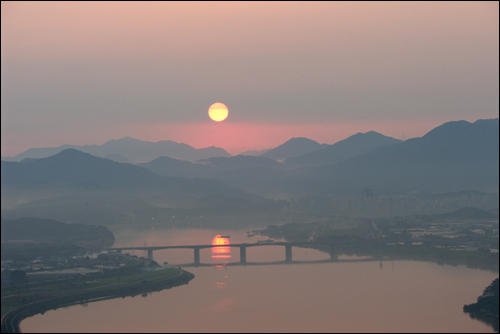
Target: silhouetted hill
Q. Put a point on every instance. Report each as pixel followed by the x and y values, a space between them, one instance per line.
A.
pixel 240 161
pixel 259 180
pixel 345 149
pixel 178 168
pixel 272 179
pixel 452 157
pixel 73 186
pixel 117 158
pixel 254 152
pixel 257 175
pixel 293 148
pixel 75 170
pixel 130 149
pixel 71 167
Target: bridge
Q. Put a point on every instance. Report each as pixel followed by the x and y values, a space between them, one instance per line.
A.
pixel 243 249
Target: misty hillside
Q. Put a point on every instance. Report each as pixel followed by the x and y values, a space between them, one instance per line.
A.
pixel 259 180
pixel 275 179
pixel 72 170
pixel 178 168
pixel 130 150
pixel 254 152
pixel 71 167
pixel 465 213
pixel 246 172
pixel 293 148
pixel 240 161
pixel 345 149
pixel 452 157
pixel 73 186
pixel 48 230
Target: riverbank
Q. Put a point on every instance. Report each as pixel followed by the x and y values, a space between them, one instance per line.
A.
pixel 486 307
pixel 24 301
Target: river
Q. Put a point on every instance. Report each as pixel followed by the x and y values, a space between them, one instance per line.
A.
pixel 392 296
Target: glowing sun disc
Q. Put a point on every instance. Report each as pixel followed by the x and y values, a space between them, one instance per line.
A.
pixel 218 112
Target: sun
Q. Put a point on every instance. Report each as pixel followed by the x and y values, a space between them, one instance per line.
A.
pixel 218 112
pixel 221 252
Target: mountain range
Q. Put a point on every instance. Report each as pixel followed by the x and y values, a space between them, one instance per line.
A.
pixel 75 170
pixel 297 152
pixel 76 186
pixel 72 176
pixel 129 150
pixel 293 148
pixel 345 149
pixel 454 156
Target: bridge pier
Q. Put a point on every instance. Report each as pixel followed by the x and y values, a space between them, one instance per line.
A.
pixel 333 256
pixel 243 254
pixel 119 251
pixel 288 253
pixel 150 254
pixel 196 256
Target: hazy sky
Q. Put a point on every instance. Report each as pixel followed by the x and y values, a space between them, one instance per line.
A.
pixel 86 72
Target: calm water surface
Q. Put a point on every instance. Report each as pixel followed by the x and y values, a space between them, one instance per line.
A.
pixel 400 296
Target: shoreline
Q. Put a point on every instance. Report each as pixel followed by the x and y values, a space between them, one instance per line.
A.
pixel 11 320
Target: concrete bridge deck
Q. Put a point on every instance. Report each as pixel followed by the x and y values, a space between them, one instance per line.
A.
pixel 242 246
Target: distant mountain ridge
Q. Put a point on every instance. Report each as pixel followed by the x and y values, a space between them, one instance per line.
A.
pixel 240 161
pixel 293 148
pixel 345 149
pixel 178 168
pixel 254 152
pixel 455 156
pixel 130 150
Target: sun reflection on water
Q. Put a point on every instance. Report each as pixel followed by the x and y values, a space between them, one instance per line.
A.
pixel 221 285
pixel 221 252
